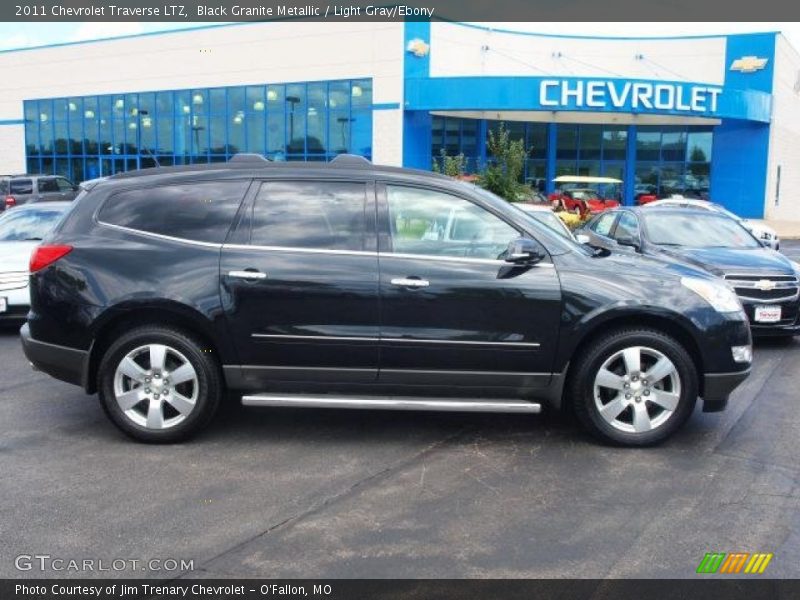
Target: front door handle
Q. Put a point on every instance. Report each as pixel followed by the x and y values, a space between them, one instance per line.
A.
pixel 410 282
pixel 252 275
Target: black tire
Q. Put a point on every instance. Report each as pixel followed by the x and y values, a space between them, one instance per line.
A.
pixel 207 381
pixel 581 387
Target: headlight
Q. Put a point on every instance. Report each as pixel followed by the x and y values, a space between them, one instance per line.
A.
pixel 717 294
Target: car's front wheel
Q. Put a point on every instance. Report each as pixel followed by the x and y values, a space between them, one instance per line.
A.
pixel 159 384
pixel 634 387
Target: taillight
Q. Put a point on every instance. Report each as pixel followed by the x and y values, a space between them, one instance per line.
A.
pixel 46 254
pixel 10 201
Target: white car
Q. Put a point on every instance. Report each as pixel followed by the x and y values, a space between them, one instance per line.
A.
pixel 763 233
pixel 21 230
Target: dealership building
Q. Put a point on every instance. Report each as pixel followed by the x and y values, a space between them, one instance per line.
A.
pixel 710 116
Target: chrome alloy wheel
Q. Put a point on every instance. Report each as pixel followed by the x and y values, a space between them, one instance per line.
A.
pixel 156 386
pixel 637 389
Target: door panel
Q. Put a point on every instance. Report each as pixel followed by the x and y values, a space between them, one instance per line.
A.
pixel 471 319
pixel 305 313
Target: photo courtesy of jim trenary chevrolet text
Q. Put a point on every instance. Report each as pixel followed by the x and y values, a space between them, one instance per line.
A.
pixel 431 299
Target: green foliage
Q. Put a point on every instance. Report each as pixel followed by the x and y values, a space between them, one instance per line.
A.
pixel 452 166
pixel 502 176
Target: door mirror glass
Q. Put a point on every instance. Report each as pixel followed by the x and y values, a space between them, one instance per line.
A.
pixel 523 251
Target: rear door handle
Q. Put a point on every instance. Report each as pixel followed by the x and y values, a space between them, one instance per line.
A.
pixel 409 282
pixel 252 275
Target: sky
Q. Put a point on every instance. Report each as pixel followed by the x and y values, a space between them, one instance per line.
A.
pixel 25 35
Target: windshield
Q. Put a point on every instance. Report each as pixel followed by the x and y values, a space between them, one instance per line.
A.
pixel 697 230
pixel 721 209
pixel 585 195
pixel 28 225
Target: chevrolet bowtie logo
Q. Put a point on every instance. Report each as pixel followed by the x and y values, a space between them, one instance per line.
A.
pixel 765 285
pixel 749 64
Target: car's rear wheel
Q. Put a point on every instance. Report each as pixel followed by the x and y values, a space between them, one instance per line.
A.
pixel 157 384
pixel 634 387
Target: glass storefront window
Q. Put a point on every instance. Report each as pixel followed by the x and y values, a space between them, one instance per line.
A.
pixel 85 137
pixel 648 144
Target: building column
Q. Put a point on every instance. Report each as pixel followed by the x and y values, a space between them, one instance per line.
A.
pixel 550 169
pixel 629 178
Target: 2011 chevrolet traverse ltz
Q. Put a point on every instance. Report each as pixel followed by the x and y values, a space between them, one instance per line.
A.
pixel 356 286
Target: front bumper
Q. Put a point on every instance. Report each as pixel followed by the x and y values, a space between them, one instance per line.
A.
pixel 717 387
pixel 61 362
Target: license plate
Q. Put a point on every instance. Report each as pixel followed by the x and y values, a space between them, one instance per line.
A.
pixel 767 314
pixel 3 305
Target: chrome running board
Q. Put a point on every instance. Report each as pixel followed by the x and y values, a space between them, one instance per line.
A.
pixel 393 403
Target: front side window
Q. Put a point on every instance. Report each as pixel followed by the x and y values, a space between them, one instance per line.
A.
pixel 318 215
pixel 47 186
pixel 603 224
pixel 628 227
pixel 194 211
pixel 64 185
pixel 439 224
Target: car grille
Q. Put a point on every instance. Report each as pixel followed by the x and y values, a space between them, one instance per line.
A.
pixel 768 289
pixel 13 280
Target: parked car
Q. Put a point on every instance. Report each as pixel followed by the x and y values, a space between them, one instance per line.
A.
pixel 545 215
pixel 764 233
pixel 21 230
pixel 644 193
pixel 766 281
pixel 575 196
pixel 320 285
pixel 22 189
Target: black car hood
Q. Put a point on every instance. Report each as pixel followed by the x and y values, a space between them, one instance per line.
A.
pixel 722 261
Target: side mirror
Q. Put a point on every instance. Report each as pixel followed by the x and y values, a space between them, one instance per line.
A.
pixel 629 241
pixel 766 243
pixel 582 238
pixel 523 251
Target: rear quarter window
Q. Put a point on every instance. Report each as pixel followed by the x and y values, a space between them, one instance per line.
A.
pixel 21 186
pixel 200 211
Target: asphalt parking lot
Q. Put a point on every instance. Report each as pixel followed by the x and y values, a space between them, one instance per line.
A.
pixel 303 493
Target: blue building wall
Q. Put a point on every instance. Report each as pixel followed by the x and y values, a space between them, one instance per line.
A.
pixel 740 141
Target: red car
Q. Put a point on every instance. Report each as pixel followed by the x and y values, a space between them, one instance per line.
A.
pixel 582 200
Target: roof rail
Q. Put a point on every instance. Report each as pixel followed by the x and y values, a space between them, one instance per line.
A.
pixel 350 160
pixel 249 158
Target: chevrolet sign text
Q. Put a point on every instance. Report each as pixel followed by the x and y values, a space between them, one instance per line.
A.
pixel 627 95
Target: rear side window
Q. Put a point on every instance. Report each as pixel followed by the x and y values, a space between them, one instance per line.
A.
pixel 3 186
pixel 21 186
pixel 193 211
pixel 316 215
pixel 48 185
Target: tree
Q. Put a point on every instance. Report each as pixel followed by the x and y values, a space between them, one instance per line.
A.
pixel 502 175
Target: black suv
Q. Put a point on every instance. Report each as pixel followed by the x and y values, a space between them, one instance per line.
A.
pixel 356 286
pixel 22 189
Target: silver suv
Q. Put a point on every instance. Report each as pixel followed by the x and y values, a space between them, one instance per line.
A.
pixel 22 189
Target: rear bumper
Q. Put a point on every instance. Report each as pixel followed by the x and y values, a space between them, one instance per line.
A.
pixel 717 387
pixel 61 362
